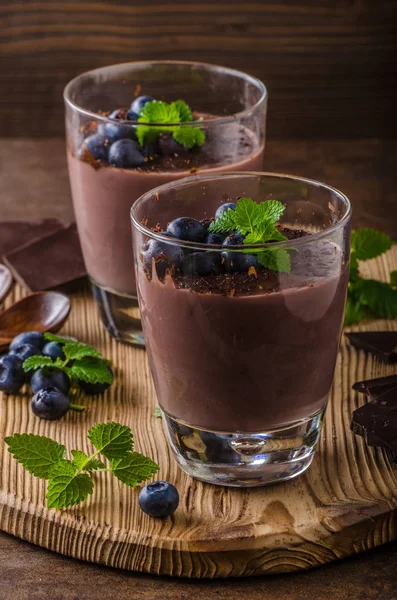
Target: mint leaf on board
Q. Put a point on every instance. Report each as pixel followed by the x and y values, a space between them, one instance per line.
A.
pixel 60 339
pixel 36 453
pixel 76 350
pixel 157 413
pixel 380 297
pixel 91 371
pixel 275 259
pixel 369 243
pixel 83 462
pixel 354 269
pixel 354 312
pixel 393 279
pixel 38 362
pixel 133 468
pixel 111 439
pixel 67 487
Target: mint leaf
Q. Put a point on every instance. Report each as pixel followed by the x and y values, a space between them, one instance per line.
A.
pixel 369 243
pixel 36 453
pixel 245 213
pixel 67 487
pixel 275 259
pixel 38 362
pixel 133 468
pixel 157 413
pixel 111 439
pixel 271 210
pixel 354 269
pixel 75 351
pixel 393 279
pixel 83 462
pixel 225 223
pixel 51 337
pixel 91 371
pixel 185 113
pixel 380 297
pixel 354 312
pixel 189 136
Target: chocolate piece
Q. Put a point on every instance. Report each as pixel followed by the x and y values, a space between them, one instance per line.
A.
pixel 380 384
pixel 377 422
pixel 14 234
pixel 49 262
pixel 382 344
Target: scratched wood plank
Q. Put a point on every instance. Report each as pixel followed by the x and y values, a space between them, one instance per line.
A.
pixel 330 66
pixel 344 504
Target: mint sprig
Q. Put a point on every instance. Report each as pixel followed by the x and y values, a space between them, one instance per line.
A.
pixel 70 481
pixel 163 114
pixel 258 224
pixel 81 361
pixel 369 296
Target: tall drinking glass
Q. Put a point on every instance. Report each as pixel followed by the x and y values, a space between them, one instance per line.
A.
pixel 229 107
pixel 243 355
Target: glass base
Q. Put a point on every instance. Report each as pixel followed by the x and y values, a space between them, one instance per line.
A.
pixel 120 315
pixel 244 459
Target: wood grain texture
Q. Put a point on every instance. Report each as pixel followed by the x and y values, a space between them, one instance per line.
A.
pixel 344 504
pixel 329 66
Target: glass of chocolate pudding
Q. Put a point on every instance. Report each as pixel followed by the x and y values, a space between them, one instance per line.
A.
pixel 242 334
pixel 134 126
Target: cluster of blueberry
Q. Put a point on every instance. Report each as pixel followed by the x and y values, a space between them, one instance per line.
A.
pixel 175 259
pixel 115 142
pixel 49 386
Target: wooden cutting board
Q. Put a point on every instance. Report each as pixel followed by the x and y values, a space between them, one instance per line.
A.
pixel 345 503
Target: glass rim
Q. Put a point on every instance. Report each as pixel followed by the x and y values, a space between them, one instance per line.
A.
pixel 216 120
pixel 188 181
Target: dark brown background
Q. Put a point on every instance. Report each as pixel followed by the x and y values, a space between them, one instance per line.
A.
pixel 330 65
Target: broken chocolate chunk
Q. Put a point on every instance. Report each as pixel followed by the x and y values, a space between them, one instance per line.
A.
pixel 15 233
pixel 48 262
pixel 378 385
pixel 382 344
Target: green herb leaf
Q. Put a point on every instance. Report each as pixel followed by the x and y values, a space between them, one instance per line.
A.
pixel 354 269
pixel 270 210
pixel 51 337
pixel 393 279
pixel 380 297
pixel 354 312
pixel 225 224
pixel 39 362
pixel 91 371
pixel 111 439
pixel 157 413
pixel 189 136
pixel 36 453
pixel 75 351
pixel 276 259
pixel 133 468
pixel 67 486
pixel 369 243
pixel 185 113
pixel 83 462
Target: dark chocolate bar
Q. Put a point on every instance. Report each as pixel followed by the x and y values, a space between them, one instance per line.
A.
pixel 48 262
pixel 14 234
pixel 382 384
pixel 382 344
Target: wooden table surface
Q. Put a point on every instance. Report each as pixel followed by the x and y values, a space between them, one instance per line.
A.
pixel 33 184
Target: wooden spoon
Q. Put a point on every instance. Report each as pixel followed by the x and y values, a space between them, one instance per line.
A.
pixel 41 311
pixel 5 281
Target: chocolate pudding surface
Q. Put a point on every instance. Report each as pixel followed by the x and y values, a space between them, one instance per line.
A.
pixel 246 353
pixel 103 196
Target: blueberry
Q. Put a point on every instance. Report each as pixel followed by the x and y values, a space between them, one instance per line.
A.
pixel 97 145
pixel 215 238
pixel 223 208
pixel 166 256
pixel 234 239
pixel 159 499
pixel 169 147
pixel 12 375
pixel 126 154
pixel 47 377
pixel 94 388
pixel 114 131
pixel 237 261
pixel 202 263
pixel 138 104
pixel 25 350
pixel 34 338
pixel 54 351
pixel 132 116
pixel 185 228
pixel 50 403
